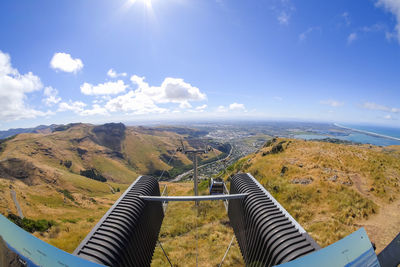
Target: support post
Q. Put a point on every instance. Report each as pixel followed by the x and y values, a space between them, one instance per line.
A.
pixel 196 182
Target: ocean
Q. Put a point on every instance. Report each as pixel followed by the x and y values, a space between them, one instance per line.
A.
pixel 365 134
pixel 387 131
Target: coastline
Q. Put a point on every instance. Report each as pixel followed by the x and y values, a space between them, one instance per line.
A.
pixel 367 132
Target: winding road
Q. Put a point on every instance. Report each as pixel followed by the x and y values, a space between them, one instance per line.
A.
pixel 181 176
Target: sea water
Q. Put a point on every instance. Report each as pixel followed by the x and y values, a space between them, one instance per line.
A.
pixel 365 134
pixel 375 135
pixel 388 131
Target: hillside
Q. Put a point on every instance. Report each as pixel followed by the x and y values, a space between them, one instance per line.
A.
pixel 66 179
pixel 331 189
pixel 73 174
pixel 181 226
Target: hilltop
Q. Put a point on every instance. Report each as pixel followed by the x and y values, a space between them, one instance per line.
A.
pixel 331 189
pixel 72 174
pixel 66 178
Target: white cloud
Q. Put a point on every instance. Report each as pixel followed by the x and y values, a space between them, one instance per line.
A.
pixel 197 109
pixel 222 109
pixel 392 6
pixel 176 90
pixel 134 103
pixel 237 107
pixel 13 92
pixel 113 74
pixel 143 100
pixel 278 98
pixel 52 97
pixel 303 35
pixel 138 80
pixel 374 106
pixel 202 107
pixel 390 36
pixel 332 103
pixel 283 18
pixel 374 28
pixel 76 106
pixel 388 117
pixel 346 18
pixel 283 10
pixel 185 104
pixel 377 27
pixel 172 90
pixel 96 110
pixel 64 62
pixel 108 88
pixel 234 107
pixel 352 37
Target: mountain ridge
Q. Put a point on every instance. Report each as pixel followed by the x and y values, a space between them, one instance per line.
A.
pixel 73 174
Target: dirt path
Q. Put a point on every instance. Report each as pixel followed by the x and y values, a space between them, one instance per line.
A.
pixel 384 226
pixel 14 197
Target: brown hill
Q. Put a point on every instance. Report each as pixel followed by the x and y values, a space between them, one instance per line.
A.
pixel 73 174
pixel 332 189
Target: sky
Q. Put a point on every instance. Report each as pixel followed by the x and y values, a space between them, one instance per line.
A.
pixel 102 61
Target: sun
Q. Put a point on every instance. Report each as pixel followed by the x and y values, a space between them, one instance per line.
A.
pixel 147 3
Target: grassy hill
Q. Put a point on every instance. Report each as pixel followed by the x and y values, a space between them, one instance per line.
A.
pixel 182 224
pixel 73 174
pixel 331 189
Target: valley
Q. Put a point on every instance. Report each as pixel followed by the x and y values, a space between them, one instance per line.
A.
pixel 65 179
pixel 72 175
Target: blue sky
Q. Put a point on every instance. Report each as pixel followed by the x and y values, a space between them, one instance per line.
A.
pixel 101 60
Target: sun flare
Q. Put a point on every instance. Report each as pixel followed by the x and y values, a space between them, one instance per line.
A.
pixel 147 3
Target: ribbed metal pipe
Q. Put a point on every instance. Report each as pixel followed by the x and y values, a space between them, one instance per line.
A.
pixel 266 233
pixel 128 232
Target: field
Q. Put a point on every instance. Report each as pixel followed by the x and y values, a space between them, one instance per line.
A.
pixel 331 189
pixel 182 223
pixel 44 169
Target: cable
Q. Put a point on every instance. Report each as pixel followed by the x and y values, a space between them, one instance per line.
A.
pixel 159 243
pixel 222 161
pixel 173 155
pixel 227 250
pixel 197 240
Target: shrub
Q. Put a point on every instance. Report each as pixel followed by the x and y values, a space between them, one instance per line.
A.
pixel 68 163
pixel 31 225
pixel 93 174
pixel 67 194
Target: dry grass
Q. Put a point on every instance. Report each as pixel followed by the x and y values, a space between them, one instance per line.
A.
pixel 350 184
pixel 74 218
pixel 178 232
pixel 43 198
pixel 144 150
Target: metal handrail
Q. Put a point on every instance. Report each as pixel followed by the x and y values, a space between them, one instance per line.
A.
pixel 194 198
